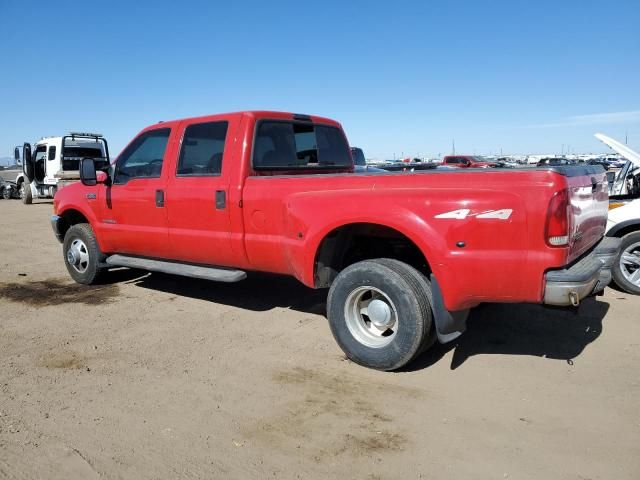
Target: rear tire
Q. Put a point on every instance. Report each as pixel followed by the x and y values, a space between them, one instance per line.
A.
pixel 25 193
pixel 82 257
pixel 380 313
pixel 424 284
pixel 626 267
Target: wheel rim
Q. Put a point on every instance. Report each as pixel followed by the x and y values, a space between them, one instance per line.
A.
pixel 22 190
pixel 78 256
pixel 630 263
pixel 371 317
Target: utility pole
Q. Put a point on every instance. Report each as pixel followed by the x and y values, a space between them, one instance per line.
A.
pixel 453 146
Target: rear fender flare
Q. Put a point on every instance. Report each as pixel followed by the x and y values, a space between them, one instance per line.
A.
pixel 405 222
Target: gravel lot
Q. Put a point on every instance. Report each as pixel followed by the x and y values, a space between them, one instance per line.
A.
pixel 153 376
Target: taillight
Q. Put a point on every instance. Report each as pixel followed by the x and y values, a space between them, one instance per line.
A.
pixel 559 220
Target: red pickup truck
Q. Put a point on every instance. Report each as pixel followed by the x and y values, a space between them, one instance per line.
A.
pixel 405 255
pixel 465 161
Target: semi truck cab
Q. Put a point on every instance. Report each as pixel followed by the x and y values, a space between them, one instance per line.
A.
pixel 53 162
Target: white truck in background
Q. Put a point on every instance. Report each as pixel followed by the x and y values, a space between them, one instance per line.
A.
pixel 53 162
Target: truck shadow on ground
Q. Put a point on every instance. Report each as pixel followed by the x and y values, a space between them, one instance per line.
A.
pixel 259 292
pixel 523 329
pixel 502 329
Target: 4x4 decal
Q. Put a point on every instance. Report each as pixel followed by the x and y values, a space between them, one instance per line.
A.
pixel 463 213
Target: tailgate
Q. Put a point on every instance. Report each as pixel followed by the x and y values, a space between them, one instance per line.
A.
pixel 589 199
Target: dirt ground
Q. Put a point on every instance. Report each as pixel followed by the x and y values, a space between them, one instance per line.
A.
pixel 158 377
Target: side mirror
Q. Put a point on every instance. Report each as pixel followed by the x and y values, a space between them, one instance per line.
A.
pixel 88 175
pixel 16 154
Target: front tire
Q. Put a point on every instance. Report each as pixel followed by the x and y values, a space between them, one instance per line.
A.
pixel 626 267
pixel 379 313
pixel 25 193
pixel 82 257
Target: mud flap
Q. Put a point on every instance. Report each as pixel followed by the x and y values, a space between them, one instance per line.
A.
pixel 449 325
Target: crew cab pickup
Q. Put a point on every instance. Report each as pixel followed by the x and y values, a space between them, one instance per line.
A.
pixel 405 256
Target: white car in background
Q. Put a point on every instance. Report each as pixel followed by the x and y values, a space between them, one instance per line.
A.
pixel 624 217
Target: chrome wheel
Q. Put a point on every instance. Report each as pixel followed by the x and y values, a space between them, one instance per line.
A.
pixel 630 263
pixel 78 256
pixel 371 317
pixel 22 190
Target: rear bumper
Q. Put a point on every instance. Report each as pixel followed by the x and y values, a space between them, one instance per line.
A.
pixel 588 276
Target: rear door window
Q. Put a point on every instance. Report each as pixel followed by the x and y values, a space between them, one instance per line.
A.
pixel 202 149
pixel 293 145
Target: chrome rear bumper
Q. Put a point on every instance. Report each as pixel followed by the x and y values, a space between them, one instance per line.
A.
pixel 588 276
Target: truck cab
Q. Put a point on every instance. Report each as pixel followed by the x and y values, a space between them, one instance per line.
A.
pixel 53 162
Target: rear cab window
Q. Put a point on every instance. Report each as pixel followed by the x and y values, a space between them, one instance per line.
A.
pixel 290 145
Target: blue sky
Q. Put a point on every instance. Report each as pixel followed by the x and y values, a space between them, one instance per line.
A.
pixel 402 77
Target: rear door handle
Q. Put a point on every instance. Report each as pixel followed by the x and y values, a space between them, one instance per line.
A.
pixel 159 198
pixel 221 200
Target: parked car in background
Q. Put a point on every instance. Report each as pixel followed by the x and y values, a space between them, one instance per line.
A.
pixel 360 162
pixel 599 161
pixel 554 162
pixel 8 189
pixel 466 161
pixel 624 217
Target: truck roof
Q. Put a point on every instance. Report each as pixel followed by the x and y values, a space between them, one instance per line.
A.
pixel 257 114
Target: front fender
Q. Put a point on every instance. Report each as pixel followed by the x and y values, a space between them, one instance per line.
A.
pixel 64 208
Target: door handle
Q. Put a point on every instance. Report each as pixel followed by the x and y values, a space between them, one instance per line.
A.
pixel 159 198
pixel 221 199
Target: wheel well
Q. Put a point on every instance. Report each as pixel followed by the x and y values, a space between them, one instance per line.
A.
pixel 363 241
pixel 627 229
pixel 70 218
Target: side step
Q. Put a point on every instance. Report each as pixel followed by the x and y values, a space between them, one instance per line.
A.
pixel 186 270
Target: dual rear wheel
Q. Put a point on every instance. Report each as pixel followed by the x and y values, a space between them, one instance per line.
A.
pixel 380 313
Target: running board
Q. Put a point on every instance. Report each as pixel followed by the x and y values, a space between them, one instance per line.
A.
pixel 186 270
